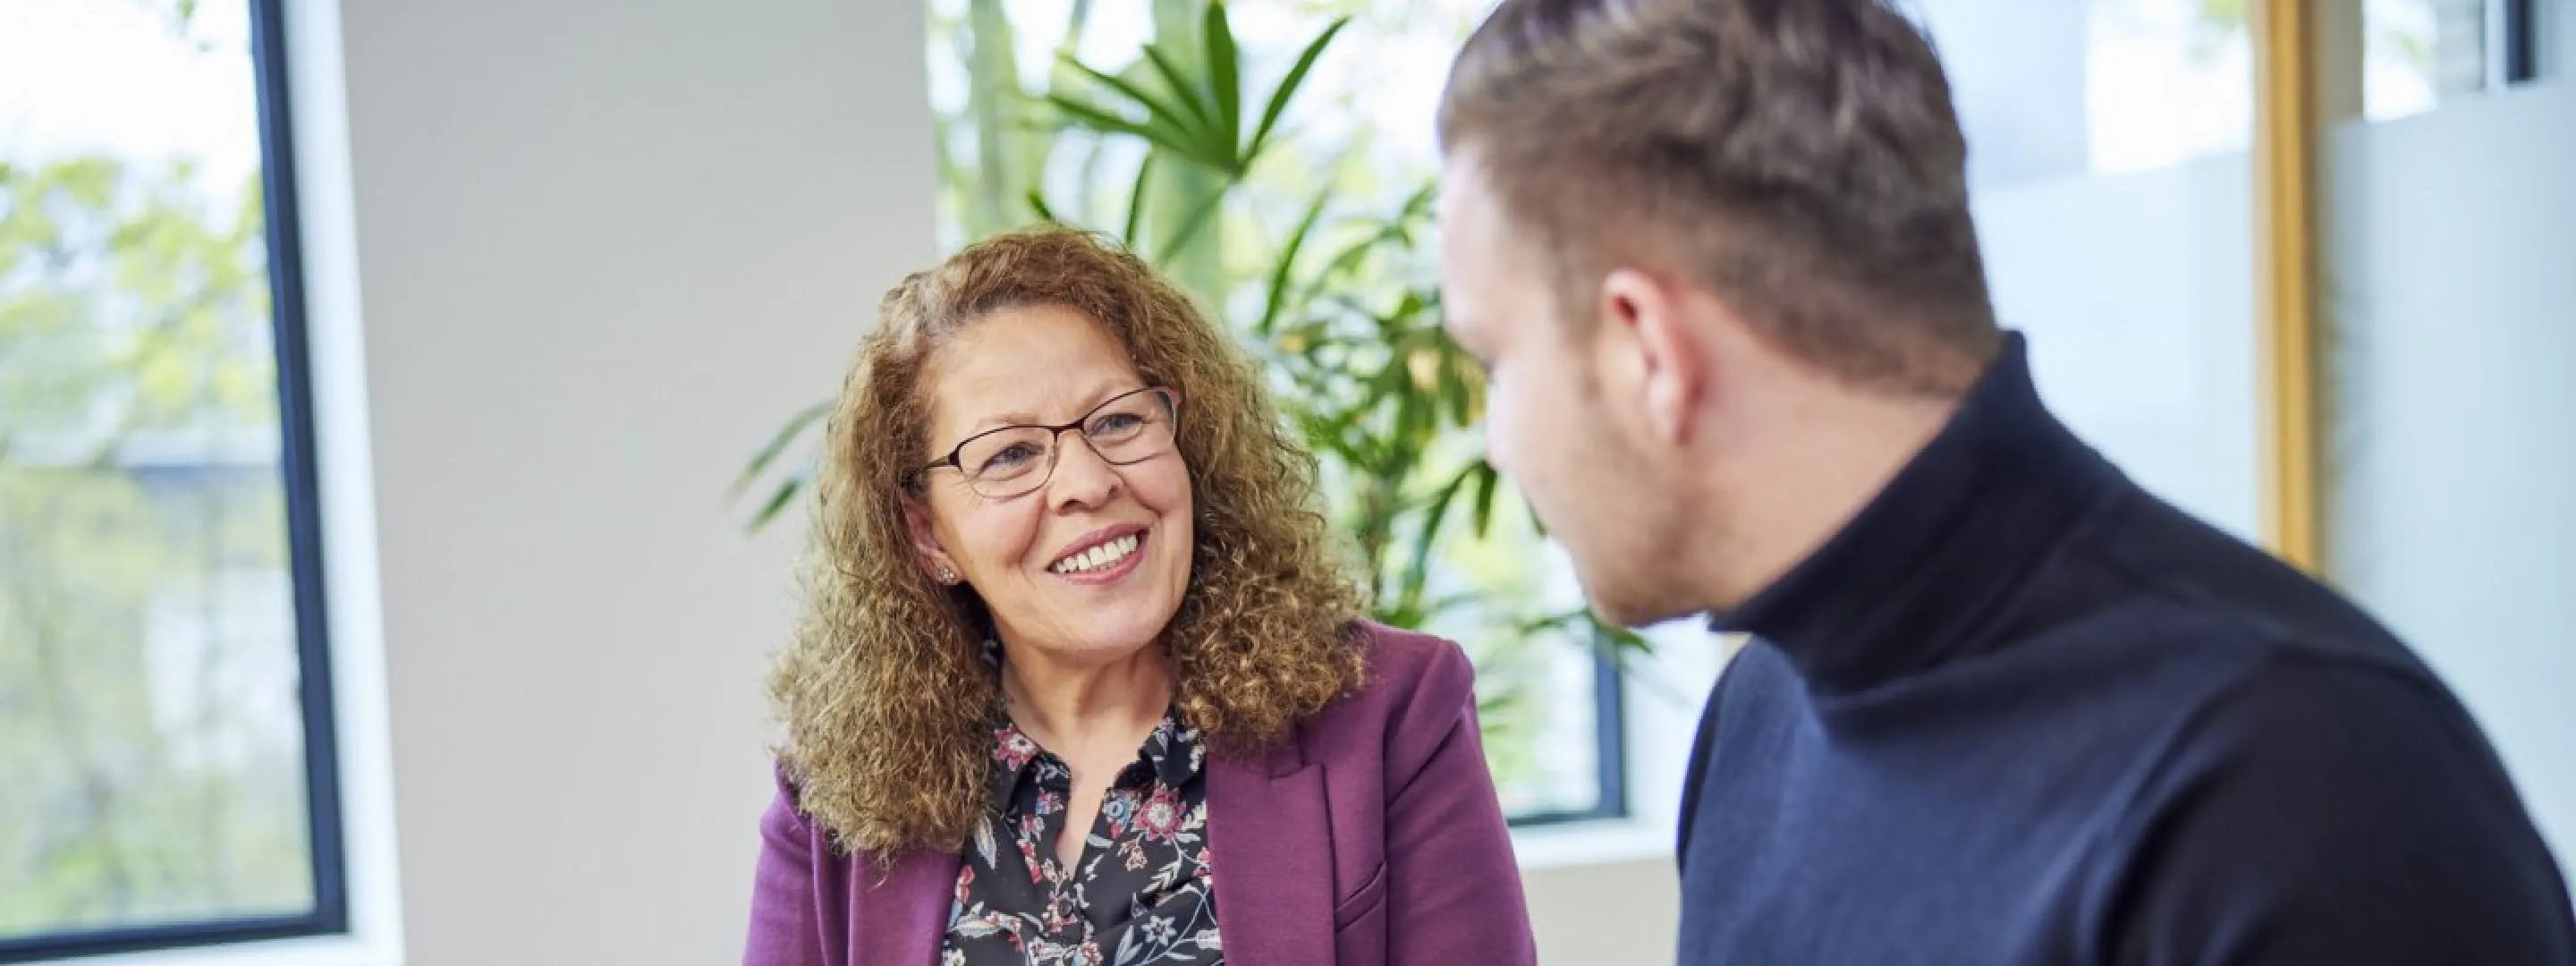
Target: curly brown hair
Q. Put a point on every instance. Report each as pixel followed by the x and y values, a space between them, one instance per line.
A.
pixel 883 690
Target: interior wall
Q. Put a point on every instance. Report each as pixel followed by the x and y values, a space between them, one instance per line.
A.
pixel 604 248
pixel 2136 292
pixel 1615 912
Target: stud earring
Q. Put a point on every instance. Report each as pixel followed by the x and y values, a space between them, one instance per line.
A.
pixel 947 575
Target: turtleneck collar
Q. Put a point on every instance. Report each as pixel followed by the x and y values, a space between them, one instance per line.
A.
pixel 1910 580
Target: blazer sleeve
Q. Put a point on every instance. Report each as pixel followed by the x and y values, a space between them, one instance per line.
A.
pixel 784 906
pixel 1453 887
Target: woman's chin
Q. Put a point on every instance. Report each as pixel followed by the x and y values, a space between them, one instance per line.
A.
pixel 1097 638
pixel 1118 634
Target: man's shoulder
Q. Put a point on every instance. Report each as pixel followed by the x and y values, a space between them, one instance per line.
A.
pixel 2331 702
pixel 2301 774
pixel 2348 809
pixel 2237 648
pixel 2148 574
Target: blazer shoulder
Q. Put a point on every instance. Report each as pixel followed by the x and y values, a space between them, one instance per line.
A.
pixel 1413 679
pixel 786 806
pixel 1406 661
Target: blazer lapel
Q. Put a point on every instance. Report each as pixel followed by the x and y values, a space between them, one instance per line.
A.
pixel 903 911
pixel 1271 849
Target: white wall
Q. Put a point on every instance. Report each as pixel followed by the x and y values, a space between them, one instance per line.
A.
pixel 603 249
pixel 2556 18
pixel 2451 273
pixel 2137 294
pixel 2017 78
pixel 1621 911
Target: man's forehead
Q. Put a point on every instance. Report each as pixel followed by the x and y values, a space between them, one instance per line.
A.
pixel 1465 195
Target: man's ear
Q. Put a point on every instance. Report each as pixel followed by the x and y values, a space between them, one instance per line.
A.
pixel 925 542
pixel 1659 349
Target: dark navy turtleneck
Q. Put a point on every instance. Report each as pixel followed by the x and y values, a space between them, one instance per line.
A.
pixel 2018 711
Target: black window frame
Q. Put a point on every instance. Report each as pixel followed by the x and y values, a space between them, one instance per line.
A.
pixel 300 484
pixel 2521 40
pixel 1610 735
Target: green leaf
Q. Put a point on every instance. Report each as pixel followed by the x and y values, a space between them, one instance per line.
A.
pixel 1324 433
pixel 1197 219
pixel 1448 602
pixel 1417 206
pixel 1349 258
pixel 1042 122
pixel 1191 92
pixel 1486 479
pixel 1281 269
pixel 1224 83
pixel 1619 640
pixel 1434 513
pixel 1408 307
pixel 1456 392
pixel 1289 85
pixel 778 501
pixel 1038 204
pixel 1187 118
pixel 1179 143
pixel 1084 116
pixel 1136 201
pixel 778 443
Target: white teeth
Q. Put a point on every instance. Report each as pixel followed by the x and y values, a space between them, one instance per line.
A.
pixel 1097 557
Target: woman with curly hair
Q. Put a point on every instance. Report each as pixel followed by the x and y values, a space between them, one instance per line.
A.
pixel 1080 681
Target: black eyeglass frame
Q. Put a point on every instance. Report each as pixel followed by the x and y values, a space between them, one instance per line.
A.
pixel 1055 440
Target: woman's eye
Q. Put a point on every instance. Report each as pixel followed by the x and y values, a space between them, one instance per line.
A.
pixel 1014 455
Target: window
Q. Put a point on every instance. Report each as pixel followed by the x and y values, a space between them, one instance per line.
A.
pixel 2065 88
pixel 2417 54
pixel 165 715
pixel 2074 87
pixel 1358 135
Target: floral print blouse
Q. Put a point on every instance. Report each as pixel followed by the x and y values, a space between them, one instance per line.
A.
pixel 1142 892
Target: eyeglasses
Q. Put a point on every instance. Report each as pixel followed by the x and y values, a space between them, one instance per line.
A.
pixel 1130 427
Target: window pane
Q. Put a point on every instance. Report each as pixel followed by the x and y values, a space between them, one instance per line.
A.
pixel 2450 430
pixel 151 725
pixel 1539 694
pixel 2418 54
pixel 2056 88
pixel 2107 162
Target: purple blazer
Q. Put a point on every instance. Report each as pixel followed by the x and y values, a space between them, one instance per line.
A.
pixel 1371 837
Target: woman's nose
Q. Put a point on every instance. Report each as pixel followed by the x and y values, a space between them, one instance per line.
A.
pixel 1082 476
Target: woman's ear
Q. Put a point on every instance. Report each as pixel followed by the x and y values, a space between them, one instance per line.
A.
pixel 925 543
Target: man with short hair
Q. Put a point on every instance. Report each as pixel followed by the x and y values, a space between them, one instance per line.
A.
pixel 2003 706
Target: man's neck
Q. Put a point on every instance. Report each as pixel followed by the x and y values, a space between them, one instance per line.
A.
pixel 1814 468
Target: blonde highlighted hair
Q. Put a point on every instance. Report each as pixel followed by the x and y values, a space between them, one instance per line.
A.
pixel 882 690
